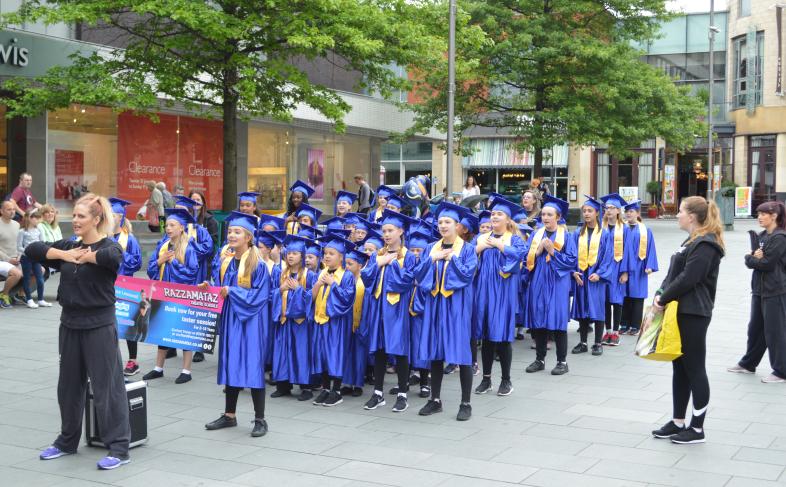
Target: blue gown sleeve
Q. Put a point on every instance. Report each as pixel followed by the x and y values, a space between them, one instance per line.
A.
pixel 185 272
pixel 132 257
pixel 565 261
pixel 152 264
pixel 215 270
pixel 401 279
pixel 247 302
pixel 425 267
pixel 369 273
pixel 342 296
pixel 604 269
pixel 513 254
pixel 652 254
pixel 461 269
pixel 203 243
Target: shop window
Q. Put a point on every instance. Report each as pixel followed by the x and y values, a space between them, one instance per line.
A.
pixel 747 84
pixel 761 169
pixel 269 158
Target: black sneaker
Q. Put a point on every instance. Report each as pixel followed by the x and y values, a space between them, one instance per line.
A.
pixel 376 401
pixel 183 378
pixel 505 388
pixel 198 357
pixel 425 391
pixel 431 407
pixel 450 368
pixel 321 398
pixel 334 398
pixel 668 430
pixel 623 330
pixel 484 387
pixel 560 369
pixel 223 422
pixel 260 428
pixel 171 353
pixel 346 390
pixel 597 349
pixel 580 348
pixel 401 404
pixel 393 391
pixel 688 437
pixel 535 366
pixel 280 393
pixel 357 391
pixel 519 336
pixel 465 412
pixel 414 379
pixel 153 374
pixel 305 395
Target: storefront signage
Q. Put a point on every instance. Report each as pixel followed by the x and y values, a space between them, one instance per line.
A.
pixel 13 54
pixel 629 193
pixel 743 201
pixel 669 185
pixel 779 65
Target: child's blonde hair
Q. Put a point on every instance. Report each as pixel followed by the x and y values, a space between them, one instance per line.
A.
pixel 28 216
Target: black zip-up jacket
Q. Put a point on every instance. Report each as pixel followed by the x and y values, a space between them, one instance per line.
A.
pixel 693 276
pixel 86 291
pixel 769 272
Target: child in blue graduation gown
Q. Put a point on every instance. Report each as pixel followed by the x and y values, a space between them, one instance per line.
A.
pixel 291 349
pixel 642 260
pixel 299 194
pixel 245 285
pixel 497 291
pixel 389 277
pixel 174 260
pixel 356 359
pixel 417 242
pixel 551 260
pixel 132 262
pixel 380 203
pixel 333 298
pixel 615 291
pixel 342 207
pixel 269 242
pixel 591 276
pixel 446 271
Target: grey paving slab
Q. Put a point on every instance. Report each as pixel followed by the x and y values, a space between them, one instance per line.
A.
pixel 556 478
pixel 398 476
pixel 274 477
pixel 619 469
pixel 633 455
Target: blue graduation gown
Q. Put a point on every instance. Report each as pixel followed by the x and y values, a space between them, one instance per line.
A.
pixel 275 278
pixel 132 257
pixel 416 307
pixel 389 324
pixel 615 291
pixel 447 321
pixel 589 300
pixel 497 297
pixel 245 320
pixel 291 348
pixel 175 271
pixel 330 341
pixel 637 286
pixel 203 245
pixel 356 359
pixel 548 298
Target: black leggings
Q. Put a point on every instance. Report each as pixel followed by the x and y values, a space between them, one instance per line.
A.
pixel 584 331
pixel 505 352
pixel 541 336
pixel 613 318
pixel 632 312
pixel 402 371
pixel 465 377
pixel 326 382
pixel 690 373
pixel 474 345
pixel 132 349
pixel 257 397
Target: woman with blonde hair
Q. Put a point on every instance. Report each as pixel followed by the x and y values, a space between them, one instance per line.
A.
pixel 691 281
pixel 50 229
pixel 88 331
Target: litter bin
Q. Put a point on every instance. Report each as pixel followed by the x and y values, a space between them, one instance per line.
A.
pixel 726 207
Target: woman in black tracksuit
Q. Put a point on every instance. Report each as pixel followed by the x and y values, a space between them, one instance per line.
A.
pixel 691 281
pixel 767 326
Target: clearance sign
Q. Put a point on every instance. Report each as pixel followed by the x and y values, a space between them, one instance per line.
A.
pixel 176 150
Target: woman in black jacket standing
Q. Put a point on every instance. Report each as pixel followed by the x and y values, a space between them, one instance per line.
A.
pixel 691 281
pixel 88 331
pixel 767 326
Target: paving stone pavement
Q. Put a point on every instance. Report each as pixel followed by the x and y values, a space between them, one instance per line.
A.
pixel 587 428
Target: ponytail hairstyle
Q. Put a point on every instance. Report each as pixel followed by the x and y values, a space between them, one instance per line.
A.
pixel 98 206
pixel 254 255
pixel 180 244
pixel 776 208
pixel 707 217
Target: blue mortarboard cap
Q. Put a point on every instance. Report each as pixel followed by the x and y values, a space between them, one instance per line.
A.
pixel 341 232
pixel 335 223
pixel 385 191
pixel 266 220
pixel 497 202
pixel 395 201
pixel 249 196
pixel 613 199
pixel 374 238
pixel 308 210
pixel 558 204
pixel 118 205
pixel 450 210
pixel 278 236
pixel 484 217
pixel 302 187
pixel 419 240
pixel 268 239
pixel 524 228
pixel 471 222
pixel 337 242
pixel 237 219
pixel 179 214
pixel 309 232
pixel 633 205
pixel 390 217
pixel 295 243
pixel 592 202
pixel 357 256
pixel 181 200
pixel 314 248
pixel 359 220
pixel 346 196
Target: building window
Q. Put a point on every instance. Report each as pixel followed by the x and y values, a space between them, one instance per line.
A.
pixel 635 171
pixel 403 161
pixel 270 151
pixel 761 168
pixel 744 7
pixel 747 71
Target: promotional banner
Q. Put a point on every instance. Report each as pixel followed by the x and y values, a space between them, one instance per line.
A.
pixel 669 185
pixel 166 314
pixel 743 201
pixel 69 174
pixel 629 193
pixel 316 172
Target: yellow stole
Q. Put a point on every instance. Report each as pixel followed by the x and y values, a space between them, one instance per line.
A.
pixel 285 295
pixel 588 254
pixel 242 280
pixel 619 241
pixel 506 237
pixel 192 231
pixel 377 214
pixel 533 246
pixel 320 305
pixel 163 250
pixel 122 239
pixel 269 263
pixel 642 241
pixel 293 228
pixel 357 308
pixel 392 298
pixel 439 283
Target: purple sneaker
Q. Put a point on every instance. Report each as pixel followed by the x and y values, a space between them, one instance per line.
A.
pixel 111 463
pixel 51 453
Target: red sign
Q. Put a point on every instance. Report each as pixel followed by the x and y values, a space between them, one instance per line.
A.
pixel 69 174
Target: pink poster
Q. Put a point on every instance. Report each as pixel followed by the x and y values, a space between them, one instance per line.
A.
pixel 316 172
pixel 69 171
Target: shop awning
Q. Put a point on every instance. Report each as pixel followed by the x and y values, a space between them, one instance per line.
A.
pixel 500 153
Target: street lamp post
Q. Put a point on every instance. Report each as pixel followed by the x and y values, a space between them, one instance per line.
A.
pixel 710 165
pixel 451 91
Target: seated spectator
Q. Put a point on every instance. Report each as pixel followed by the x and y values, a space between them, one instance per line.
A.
pixel 9 255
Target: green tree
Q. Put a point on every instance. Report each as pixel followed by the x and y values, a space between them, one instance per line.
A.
pixel 561 71
pixel 224 58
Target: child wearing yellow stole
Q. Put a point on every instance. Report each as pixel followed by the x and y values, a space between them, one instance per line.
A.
pixel 356 359
pixel 642 260
pixel 615 294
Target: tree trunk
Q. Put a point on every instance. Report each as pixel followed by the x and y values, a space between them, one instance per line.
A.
pixel 230 141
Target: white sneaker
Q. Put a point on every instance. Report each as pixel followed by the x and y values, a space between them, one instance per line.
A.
pixel 31 304
pixel 44 304
pixel 773 379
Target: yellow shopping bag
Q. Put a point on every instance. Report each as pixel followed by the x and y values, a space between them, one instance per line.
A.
pixel 660 334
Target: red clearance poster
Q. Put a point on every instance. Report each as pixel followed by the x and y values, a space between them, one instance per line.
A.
pixel 69 173
pixel 201 163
